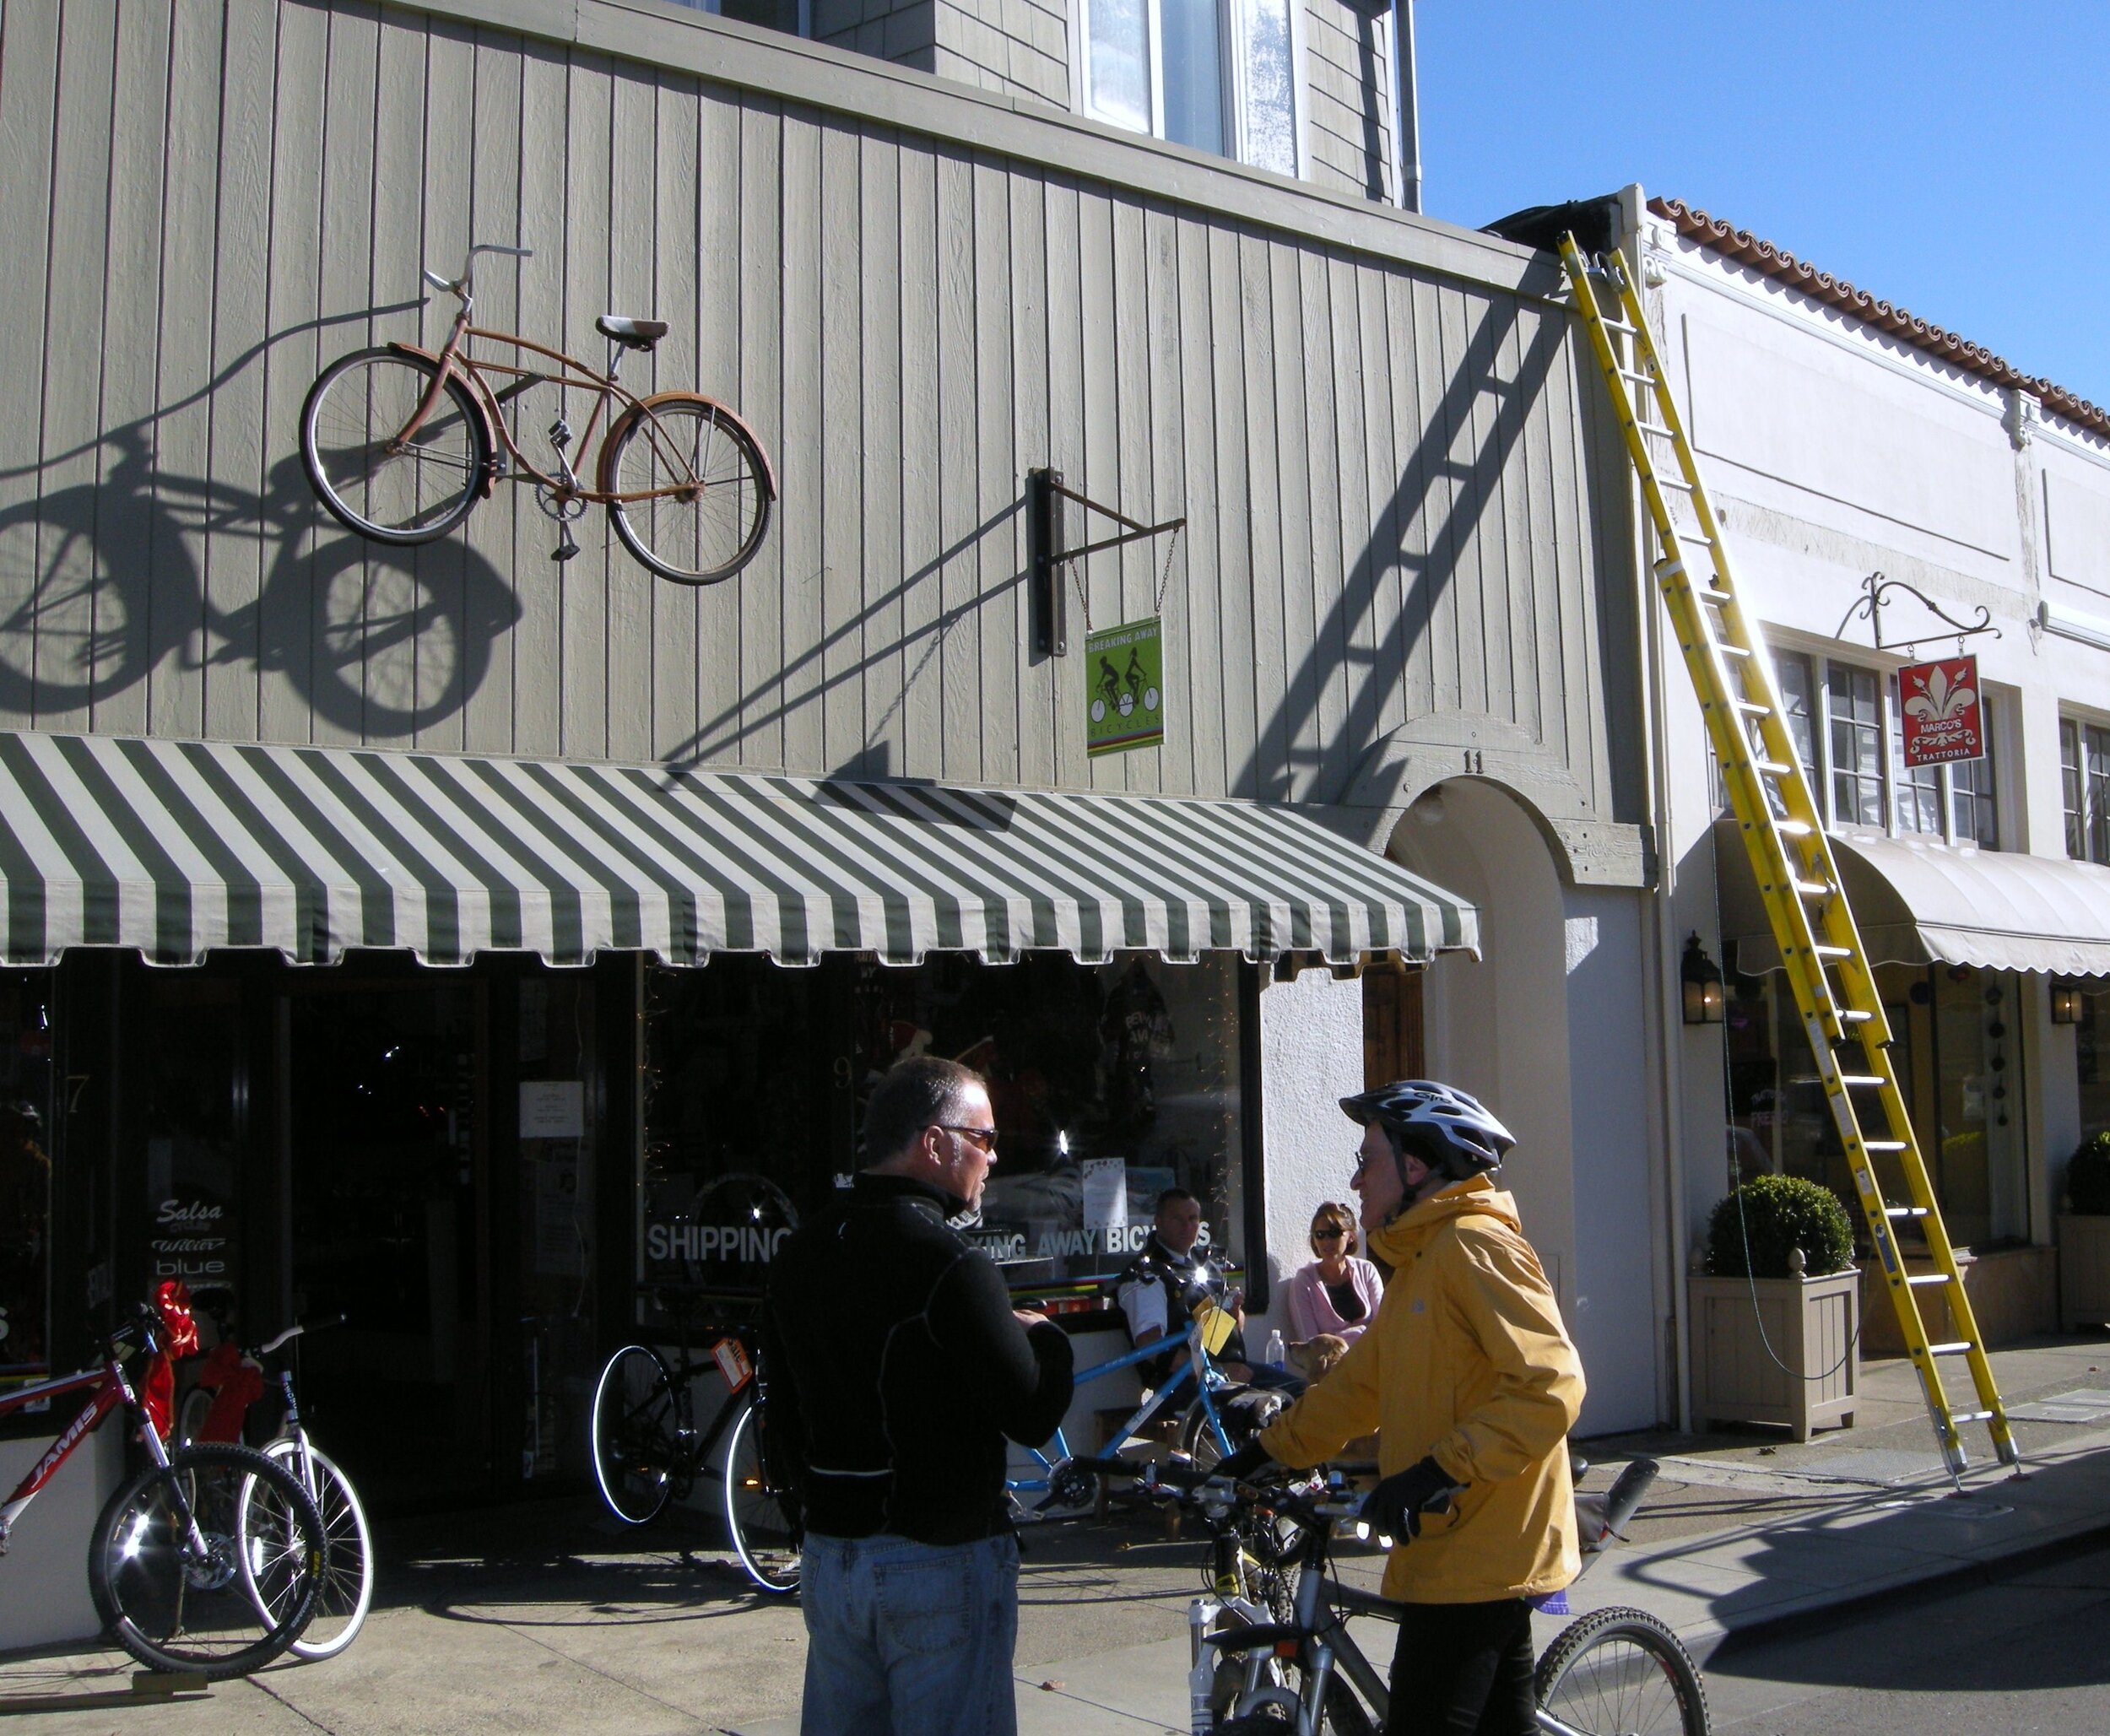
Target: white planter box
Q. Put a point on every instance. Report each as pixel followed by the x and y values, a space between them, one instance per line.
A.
pixel 1810 1325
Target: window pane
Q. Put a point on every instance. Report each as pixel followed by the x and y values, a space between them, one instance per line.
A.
pixel 1119 35
pixel 1270 87
pixel 25 1176
pixel 2070 778
pixel 1857 741
pixel 2098 746
pixel 771 14
pixel 1798 696
pixel 2092 1055
pixel 1918 787
pixel 1973 781
pixel 1193 73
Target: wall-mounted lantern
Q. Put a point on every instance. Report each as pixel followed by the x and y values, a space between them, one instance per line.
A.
pixel 1702 980
pixel 2065 1004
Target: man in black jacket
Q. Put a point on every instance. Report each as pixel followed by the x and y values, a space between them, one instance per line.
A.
pixel 897 1368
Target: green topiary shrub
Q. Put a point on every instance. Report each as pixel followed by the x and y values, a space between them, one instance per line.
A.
pixel 1779 1214
pixel 2088 1177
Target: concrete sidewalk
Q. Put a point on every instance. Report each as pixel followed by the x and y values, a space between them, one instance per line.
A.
pixel 547 1618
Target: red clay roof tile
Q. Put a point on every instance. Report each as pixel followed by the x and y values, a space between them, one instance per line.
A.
pixel 1762 256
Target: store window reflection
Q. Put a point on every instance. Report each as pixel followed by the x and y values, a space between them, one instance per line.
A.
pixel 557 1155
pixel 1959 1056
pixel 1110 1083
pixel 194 1140
pixel 25 1175
pixel 2091 1056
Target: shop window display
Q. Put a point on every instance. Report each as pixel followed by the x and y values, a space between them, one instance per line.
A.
pixel 1110 1084
pixel 2092 1056
pixel 25 1175
pixel 558 1360
pixel 1960 1065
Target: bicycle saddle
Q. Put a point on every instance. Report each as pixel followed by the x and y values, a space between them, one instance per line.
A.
pixel 631 334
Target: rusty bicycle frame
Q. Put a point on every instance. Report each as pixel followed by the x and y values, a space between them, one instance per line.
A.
pixel 452 357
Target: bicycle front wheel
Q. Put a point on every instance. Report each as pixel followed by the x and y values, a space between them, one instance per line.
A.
pixel 706 504
pixel 1622 1673
pixel 165 1563
pixel 764 1524
pixel 347 1590
pixel 638 1418
pixel 376 475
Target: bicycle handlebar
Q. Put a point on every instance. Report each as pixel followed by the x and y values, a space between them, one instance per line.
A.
pixel 460 286
pixel 295 1330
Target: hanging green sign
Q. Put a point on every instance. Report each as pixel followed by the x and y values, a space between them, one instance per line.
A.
pixel 1124 687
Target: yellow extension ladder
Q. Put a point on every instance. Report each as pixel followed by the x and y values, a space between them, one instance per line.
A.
pixel 1777 815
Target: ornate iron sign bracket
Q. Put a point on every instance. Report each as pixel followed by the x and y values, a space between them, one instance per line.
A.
pixel 1875 587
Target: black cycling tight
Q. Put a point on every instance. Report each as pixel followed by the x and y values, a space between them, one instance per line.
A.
pixel 1463 1669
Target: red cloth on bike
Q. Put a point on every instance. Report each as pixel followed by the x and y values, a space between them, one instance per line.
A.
pixel 236 1384
pixel 179 1338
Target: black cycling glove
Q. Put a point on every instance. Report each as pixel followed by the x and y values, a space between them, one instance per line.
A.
pixel 1395 1507
pixel 1242 1465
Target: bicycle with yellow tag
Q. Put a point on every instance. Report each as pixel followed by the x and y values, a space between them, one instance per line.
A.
pixel 1197 1383
pixel 648 1452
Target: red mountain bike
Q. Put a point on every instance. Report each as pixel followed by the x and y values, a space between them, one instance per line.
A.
pixel 210 1560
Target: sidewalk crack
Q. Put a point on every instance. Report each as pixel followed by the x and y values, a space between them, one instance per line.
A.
pixel 266 1689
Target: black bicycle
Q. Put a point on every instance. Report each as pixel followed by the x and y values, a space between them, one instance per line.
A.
pixel 648 1452
pixel 1272 1654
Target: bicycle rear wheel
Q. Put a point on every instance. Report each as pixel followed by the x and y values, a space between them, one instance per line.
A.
pixel 708 521
pixel 373 480
pixel 347 1590
pixel 765 1526
pixel 1622 1673
pixel 166 1561
pixel 640 1420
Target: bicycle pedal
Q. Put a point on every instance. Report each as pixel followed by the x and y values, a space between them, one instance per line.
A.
pixel 565 549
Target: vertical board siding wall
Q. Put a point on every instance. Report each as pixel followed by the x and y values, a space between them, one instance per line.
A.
pixel 1387 474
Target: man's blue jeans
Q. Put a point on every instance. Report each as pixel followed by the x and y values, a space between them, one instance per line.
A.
pixel 908 1638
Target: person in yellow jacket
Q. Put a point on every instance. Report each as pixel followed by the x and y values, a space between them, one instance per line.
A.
pixel 1472 1384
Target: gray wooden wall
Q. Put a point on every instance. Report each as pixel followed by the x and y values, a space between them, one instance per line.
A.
pixel 1398 500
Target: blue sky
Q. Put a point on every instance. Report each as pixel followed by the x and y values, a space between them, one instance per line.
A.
pixel 1953 158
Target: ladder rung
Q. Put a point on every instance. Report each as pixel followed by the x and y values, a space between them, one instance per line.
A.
pixel 1882 1145
pixel 1642 379
pixel 1793 828
pixel 1848 1015
pixel 1955 1349
pixel 1613 325
pixel 1970 1416
pixel 1771 768
pixel 1733 651
pixel 1860 1081
pixel 1752 708
pixel 1919 1280
pixel 1812 888
pixel 1832 952
pixel 1904 1211
pixel 1652 428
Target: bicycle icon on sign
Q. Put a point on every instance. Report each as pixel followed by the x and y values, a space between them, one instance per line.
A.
pixel 1122 691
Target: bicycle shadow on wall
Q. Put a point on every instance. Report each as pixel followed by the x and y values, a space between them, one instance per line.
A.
pixel 101 586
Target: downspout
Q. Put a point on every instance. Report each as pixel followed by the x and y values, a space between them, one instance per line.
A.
pixel 1406 107
pixel 1663 966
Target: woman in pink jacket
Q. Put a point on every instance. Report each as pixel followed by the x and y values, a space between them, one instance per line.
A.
pixel 1337 1293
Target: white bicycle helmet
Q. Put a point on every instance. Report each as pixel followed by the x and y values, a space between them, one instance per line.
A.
pixel 1450 1131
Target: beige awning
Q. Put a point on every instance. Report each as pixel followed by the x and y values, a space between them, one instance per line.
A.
pixel 1924 902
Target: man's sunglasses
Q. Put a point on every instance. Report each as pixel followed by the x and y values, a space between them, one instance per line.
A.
pixel 986 1138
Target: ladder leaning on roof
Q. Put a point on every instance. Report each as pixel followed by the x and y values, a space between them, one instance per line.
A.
pixel 1776 814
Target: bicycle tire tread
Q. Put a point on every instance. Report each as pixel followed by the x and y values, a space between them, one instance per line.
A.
pixel 1651 1634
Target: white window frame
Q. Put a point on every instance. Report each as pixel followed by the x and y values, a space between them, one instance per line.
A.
pixel 1820 664
pixel 2092 818
pixel 1230 37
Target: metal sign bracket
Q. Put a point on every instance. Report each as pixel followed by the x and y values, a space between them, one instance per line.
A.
pixel 1045 490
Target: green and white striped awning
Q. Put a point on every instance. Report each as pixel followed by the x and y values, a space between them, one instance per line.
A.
pixel 179 847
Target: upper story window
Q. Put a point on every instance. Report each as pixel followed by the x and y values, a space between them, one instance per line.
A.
pixel 1854 702
pixel 794 17
pixel 2083 756
pixel 1218 75
pixel 1843 720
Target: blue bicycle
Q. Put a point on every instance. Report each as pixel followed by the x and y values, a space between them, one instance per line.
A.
pixel 1064 1486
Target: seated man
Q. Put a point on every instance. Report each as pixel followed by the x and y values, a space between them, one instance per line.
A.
pixel 1158 1291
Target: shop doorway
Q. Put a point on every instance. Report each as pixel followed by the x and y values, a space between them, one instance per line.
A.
pixel 1393 1046
pixel 387 1186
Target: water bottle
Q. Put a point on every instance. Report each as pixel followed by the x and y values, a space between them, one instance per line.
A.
pixel 1278 1355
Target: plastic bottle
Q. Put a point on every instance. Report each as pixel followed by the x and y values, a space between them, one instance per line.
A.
pixel 1278 1355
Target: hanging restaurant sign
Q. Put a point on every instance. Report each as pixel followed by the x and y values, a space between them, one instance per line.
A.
pixel 1124 687
pixel 1944 715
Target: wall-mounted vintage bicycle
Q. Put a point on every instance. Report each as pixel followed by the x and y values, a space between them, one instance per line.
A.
pixel 400 442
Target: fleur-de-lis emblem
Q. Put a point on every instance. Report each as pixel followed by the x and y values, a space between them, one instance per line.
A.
pixel 1938 702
